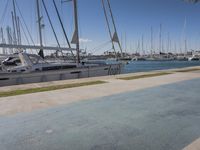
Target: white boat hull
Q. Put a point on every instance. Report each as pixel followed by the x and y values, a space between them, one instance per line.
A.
pixel 7 79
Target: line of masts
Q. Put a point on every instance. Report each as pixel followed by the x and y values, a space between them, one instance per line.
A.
pixel 162 47
pixel 14 38
pixel 15 42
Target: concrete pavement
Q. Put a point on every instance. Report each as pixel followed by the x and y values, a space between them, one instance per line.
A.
pixel 31 102
pixel 165 117
pixel 157 113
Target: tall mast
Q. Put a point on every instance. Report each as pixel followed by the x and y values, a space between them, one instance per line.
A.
pixel 113 21
pixel 14 32
pixel 125 41
pixel 185 36
pixel 2 39
pixel 151 40
pixel 160 39
pixel 168 42
pixel 39 26
pixel 9 37
pixel 2 36
pixel 19 31
pixel 143 51
pixel 109 29
pixel 138 47
pixel 122 44
pixel 15 24
pixel 76 31
pixel 62 26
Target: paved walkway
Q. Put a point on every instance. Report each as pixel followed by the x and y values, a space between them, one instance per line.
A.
pixel 30 102
pixel 165 117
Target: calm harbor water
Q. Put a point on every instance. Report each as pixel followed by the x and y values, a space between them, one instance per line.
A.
pixel 143 66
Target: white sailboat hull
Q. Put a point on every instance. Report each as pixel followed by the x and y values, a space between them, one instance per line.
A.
pixel 7 79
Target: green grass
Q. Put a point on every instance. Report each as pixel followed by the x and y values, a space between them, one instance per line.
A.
pixel 145 76
pixel 49 88
pixel 189 70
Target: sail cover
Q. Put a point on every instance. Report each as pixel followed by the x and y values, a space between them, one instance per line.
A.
pixel 115 37
pixel 75 38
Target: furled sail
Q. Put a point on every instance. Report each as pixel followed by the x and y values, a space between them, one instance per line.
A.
pixel 75 37
pixel 115 37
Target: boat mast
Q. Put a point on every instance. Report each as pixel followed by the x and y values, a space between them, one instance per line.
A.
pixel 9 37
pixel 175 48
pixel 62 26
pixel 138 47
pixel 15 24
pixel 109 29
pixel 143 51
pixel 76 34
pixel 125 41
pixel 160 39
pixel 168 42
pixel 151 41
pixel 2 40
pixel 14 32
pixel 40 28
pixel 17 45
pixel 113 21
pixel 185 36
pixel 19 31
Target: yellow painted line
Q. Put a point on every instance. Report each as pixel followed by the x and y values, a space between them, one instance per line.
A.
pixel 145 76
pixel 189 70
pixel 48 88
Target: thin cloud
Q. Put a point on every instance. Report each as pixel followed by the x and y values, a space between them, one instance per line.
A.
pixel 83 40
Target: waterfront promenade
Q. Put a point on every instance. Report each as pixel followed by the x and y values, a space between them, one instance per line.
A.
pixel 158 112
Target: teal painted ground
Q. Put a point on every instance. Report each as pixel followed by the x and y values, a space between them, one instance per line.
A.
pixel 160 118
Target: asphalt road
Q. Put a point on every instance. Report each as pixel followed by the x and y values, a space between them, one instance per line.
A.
pixel 160 118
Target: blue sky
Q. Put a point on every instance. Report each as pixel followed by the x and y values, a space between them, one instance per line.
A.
pixel 134 18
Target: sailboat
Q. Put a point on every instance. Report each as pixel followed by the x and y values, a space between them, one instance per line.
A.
pixel 195 56
pixel 33 68
pixel 110 22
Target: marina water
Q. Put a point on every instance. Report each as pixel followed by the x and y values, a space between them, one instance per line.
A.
pixel 144 66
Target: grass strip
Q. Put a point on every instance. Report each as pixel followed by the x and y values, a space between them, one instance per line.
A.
pixel 189 70
pixel 49 88
pixel 145 76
